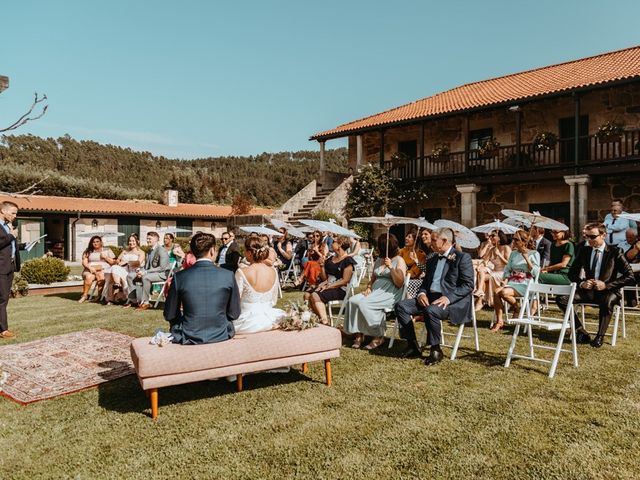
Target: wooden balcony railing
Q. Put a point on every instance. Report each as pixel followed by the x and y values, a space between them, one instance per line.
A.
pixel 507 160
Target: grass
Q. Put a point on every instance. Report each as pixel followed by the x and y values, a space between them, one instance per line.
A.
pixel 382 418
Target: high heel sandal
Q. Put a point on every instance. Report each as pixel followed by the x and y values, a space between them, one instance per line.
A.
pixel 357 343
pixel 497 327
pixel 375 343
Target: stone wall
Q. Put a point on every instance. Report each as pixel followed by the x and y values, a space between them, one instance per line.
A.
pixel 297 201
pixel 336 200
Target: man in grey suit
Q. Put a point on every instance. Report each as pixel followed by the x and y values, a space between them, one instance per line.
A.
pixel 156 269
pixel 203 300
pixel 445 294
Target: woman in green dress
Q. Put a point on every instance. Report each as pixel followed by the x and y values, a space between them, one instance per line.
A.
pixel 561 258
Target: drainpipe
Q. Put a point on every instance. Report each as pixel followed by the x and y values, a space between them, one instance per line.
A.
pixel 73 238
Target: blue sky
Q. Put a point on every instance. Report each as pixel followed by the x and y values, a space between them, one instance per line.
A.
pixel 205 78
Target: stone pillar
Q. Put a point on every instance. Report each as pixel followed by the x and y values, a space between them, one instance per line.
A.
pixel 322 163
pixel 359 150
pixel 468 204
pixel 578 198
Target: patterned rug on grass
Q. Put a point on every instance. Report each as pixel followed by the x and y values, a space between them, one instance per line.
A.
pixel 64 364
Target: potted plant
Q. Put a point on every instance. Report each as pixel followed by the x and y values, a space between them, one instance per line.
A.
pixel 440 152
pixel 399 159
pixel 610 131
pixel 489 148
pixel 544 141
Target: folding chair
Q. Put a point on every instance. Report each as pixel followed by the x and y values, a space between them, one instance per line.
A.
pixel 353 283
pixel 165 284
pixel 289 273
pixel 396 324
pixel 635 291
pixel 616 320
pixel 547 323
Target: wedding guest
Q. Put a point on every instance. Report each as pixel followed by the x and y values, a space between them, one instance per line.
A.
pixel 156 269
pixel 96 261
pixel 615 225
pixel 228 256
pixel 131 257
pixel 542 245
pixel 204 300
pixel 313 268
pixel 561 258
pixel 258 290
pixel 173 249
pixel 630 239
pixel 283 248
pixel 425 245
pixel 600 270
pixel 522 267
pixel 272 258
pixel 445 293
pixel 490 269
pixel 300 253
pixel 336 275
pixel 365 313
pixel 413 257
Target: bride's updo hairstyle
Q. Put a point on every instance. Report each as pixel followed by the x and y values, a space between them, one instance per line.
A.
pixel 259 248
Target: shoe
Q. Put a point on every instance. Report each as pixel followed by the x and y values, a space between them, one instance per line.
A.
pixel 597 342
pixel 435 356
pixel 375 343
pixel 117 286
pixel 412 351
pixel 83 299
pixel 496 327
pixel 357 343
pixel 7 334
pixel 144 306
pixel 583 337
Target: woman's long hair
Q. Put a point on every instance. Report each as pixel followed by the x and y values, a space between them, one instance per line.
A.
pixel 90 248
pixel 136 238
pixel 393 245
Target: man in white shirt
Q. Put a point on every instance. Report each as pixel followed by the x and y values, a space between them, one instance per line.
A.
pixel 616 226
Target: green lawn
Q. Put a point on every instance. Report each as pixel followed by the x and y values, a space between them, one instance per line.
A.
pixel 382 418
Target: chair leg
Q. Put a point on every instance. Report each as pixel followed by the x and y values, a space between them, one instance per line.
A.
pixel 556 355
pixel 154 403
pixel 532 352
pixel 616 319
pixel 305 367
pixel 454 351
pixel 512 347
pixel 327 371
pixel 574 344
pixel 393 335
pixel 475 330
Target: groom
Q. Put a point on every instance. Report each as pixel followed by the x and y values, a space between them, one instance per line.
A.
pixel 445 293
pixel 203 300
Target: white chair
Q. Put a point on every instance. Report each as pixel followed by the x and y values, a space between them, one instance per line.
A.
pixel 289 273
pixel 616 320
pixel 367 254
pixel 545 322
pixel 164 284
pixel 396 324
pixel 351 288
pixel 635 291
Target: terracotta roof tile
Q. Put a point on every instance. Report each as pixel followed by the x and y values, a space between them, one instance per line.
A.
pixel 585 72
pixel 38 203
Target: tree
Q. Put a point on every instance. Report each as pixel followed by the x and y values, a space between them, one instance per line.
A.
pixel 27 116
pixel 372 193
pixel 241 204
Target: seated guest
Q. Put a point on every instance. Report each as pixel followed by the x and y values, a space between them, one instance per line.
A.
pixel 156 269
pixel 600 271
pixel 228 256
pixel 425 245
pixel 522 267
pixel 336 275
pixel 617 226
pixel 630 239
pixel 131 257
pixel 300 252
pixel 561 258
pixel 542 245
pixel 96 260
pixel 272 258
pixel 365 313
pixel 258 290
pixel 313 268
pixel 413 257
pixel 633 257
pixel 173 249
pixel 445 293
pixel 490 268
pixel 203 300
pixel 284 249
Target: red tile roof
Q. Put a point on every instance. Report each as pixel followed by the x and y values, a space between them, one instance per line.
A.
pixel 585 72
pixel 138 208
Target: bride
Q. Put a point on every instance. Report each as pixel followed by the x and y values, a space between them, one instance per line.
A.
pixel 258 286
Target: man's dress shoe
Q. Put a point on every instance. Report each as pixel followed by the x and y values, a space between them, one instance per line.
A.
pixel 583 337
pixel 597 342
pixel 411 352
pixel 434 357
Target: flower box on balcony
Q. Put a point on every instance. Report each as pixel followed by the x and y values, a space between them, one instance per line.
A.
pixel 440 153
pixel 489 148
pixel 610 132
pixel 544 141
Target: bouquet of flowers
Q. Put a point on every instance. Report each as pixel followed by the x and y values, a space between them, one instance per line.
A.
pixel 610 131
pixel 298 317
pixel 544 141
pixel 489 148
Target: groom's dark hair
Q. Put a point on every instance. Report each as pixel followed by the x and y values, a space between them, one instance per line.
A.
pixel 201 243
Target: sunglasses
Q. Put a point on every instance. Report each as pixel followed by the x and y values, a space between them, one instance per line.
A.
pixel 225 238
pixel 592 237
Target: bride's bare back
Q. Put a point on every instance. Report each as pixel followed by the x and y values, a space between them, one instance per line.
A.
pixel 261 277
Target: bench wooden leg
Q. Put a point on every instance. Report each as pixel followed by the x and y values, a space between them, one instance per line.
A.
pixel 154 403
pixel 327 371
pixel 305 367
pixel 239 382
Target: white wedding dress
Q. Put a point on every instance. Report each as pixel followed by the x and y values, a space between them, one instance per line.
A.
pixel 256 308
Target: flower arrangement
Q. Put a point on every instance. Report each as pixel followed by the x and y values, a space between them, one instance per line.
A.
pixel 610 131
pixel 399 159
pixel 298 317
pixel 544 141
pixel 489 148
pixel 440 151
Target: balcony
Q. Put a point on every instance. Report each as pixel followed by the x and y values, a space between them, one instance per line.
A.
pixel 559 160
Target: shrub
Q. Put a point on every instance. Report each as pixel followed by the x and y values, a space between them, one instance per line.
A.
pixel 325 216
pixel 45 270
pixel 19 287
pixel 116 250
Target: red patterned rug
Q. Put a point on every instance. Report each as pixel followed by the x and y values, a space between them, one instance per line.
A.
pixel 64 364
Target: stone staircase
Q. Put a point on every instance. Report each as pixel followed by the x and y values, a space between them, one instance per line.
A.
pixel 305 210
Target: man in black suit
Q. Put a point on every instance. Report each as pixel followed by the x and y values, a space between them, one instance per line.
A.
pixel 543 245
pixel 606 271
pixel 9 261
pixel 445 293
pixel 229 256
pixel 203 300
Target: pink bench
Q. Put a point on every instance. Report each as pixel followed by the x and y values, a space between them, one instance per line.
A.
pixel 173 364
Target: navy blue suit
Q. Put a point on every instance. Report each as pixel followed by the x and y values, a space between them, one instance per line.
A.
pixel 7 267
pixel 456 283
pixel 209 299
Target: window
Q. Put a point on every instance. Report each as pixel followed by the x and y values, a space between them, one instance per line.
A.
pixel 409 148
pixel 478 137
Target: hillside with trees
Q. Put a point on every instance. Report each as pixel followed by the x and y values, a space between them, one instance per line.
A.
pixel 81 168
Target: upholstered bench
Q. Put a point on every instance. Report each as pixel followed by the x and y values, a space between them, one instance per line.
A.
pixel 174 364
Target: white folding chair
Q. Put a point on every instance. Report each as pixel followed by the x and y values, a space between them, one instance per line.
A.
pixel 396 324
pixel 587 324
pixel 164 284
pixel 289 273
pixel 545 322
pixel 353 283
pixel 635 311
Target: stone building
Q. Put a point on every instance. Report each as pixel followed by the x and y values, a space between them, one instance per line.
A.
pixel 570 173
